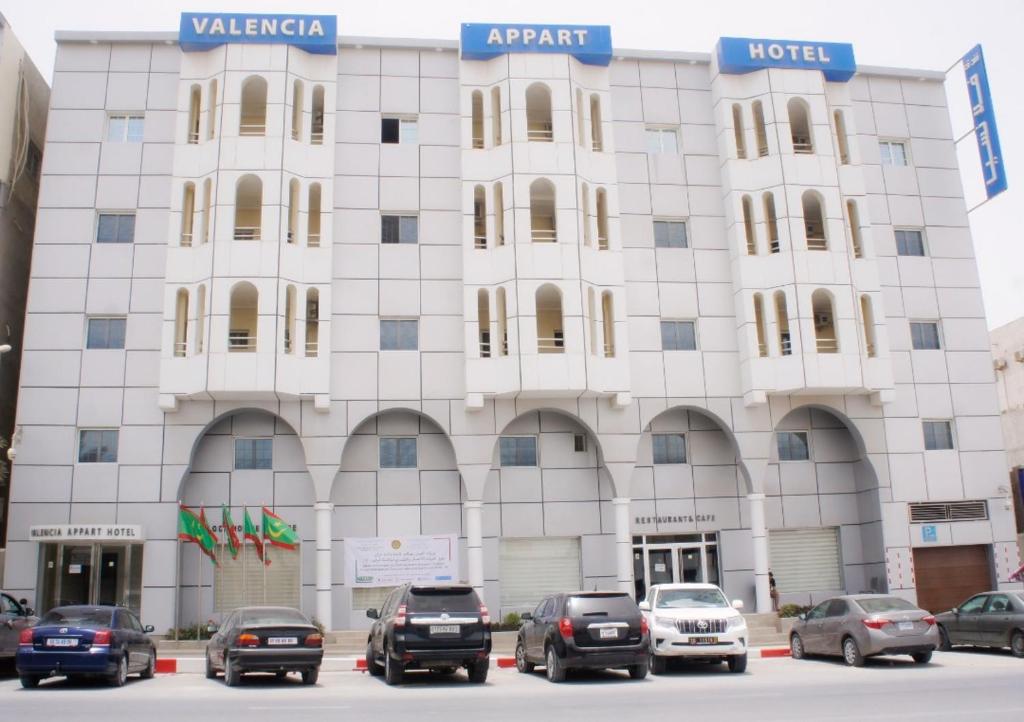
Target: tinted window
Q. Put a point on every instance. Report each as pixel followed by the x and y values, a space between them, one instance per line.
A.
pixel 105 333
pixel 670 234
pixel 97 446
pixel 819 611
pixel 389 130
pixel 836 608
pixel 602 605
pixel 974 604
pixel 678 336
pixel 273 616
pixel 254 453
pixel 792 446
pixel 518 450
pixel 397 453
pixel 924 335
pixel 669 448
pixel 937 435
pixel 443 600
pixel 78 617
pixel 1000 604
pixel 399 335
pixel 8 605
pixel 690 599
pixel 876 605
pixel 115 228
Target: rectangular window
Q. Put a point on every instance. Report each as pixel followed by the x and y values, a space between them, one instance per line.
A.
pixel 893 152
pixel 518 450
pixel 105 333
pixel 669 448
pixel 398 130
pixel 399 229
pixel 670 234
pixel 924 335
pixel 399 335
pixel 793 446
pixel 254 453
pixel 909 243
pixel 662 140
pixel 115 228
pixel 398 453
pixel 97 446
pixel 937 435
pixel 579 442
pixel 125 128
pixel 678 336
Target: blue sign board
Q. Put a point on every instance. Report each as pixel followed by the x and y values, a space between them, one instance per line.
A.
pixel 984 122
pixel 745 55
pixel 929 533
pixel 313 33
pixel 590 44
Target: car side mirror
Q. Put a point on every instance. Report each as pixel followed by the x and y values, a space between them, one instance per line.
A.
pixel 526 616
pixel 645 606
pixel 372 614
pixel 212 628
pixel 802 617
pixel 29 612
pixel 956 611
pixel 737 604
pixel 149 629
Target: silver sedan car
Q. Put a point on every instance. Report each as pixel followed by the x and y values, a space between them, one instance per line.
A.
pixel 857 626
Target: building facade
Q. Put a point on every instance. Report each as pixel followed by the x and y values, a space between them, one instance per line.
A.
pixel 602 319
pixel 1008 359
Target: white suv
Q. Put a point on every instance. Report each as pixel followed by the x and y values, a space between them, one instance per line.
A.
pixel 695 621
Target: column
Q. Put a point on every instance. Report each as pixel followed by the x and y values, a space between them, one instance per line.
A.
pixel 623 546
pixel 324 510
pixel 759 539
pixel 475 545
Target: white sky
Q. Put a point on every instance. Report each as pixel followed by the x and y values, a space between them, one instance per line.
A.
pixel 901 33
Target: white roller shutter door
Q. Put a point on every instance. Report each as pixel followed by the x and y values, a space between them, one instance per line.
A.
pixel 276 584
pixel 531 569
pixel 805 560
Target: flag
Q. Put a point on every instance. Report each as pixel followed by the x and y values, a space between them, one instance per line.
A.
pixel 192 529
pixel 229 528
pixel 276 531
pixel 202 518
pixel 251 534
pixel 1018 576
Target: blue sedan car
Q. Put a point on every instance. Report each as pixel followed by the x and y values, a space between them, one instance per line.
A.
pixel 97 641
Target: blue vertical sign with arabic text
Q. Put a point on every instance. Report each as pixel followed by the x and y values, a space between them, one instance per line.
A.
pixel 984 122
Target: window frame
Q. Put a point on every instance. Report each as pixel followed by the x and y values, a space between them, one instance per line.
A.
pixel 671 222
pixel 792 432
pixel 100 445
pixel 518 451
pixel 579 443
pixel 255 454
pixel 88 333
pixel 126 136
pixel 404 122
pixel 401 217
pixel 676 322
pixel 666 457
pixel 949 428
pixel 886 158
pixel 398 333
pixel 100 215
pixel 398 452
pixel 940 345
pixel 661 131
pixel 921 238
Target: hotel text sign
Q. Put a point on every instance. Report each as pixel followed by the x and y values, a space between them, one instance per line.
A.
pixel 312 33
pixel 85 532
pixel 984 117
pixel 745 55
pixel 590 44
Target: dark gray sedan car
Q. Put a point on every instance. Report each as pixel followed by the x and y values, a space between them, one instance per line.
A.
pixel 15 615
pixel 991 619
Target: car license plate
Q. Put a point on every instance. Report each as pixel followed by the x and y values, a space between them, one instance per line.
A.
pixel 282 641
pixel 61 642
pixel 609 633
pixel 703 640
pixel 445 629
pixel 906 626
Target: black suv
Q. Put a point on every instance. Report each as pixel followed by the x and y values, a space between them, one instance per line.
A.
pixel 435 627
pixel 584 630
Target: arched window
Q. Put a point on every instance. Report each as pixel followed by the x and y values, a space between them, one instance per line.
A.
pixel 194 101
pixel 313 218
pixel 253 117
pixel 588 239
pixel 550 333
pixel 293 210
pixel 289 319
pixel 782 324
pixel 316 132
pixel 814 222
pixel 542 211
pixel 596 135
pixel 200 318
pixel 760 133
pixel 502 309
pixel 181 323
pixel 771 222
pixel 867 316
pixel 762 343
pixel 538 113
pixel 499 214
pixel 248 208
pixel 297 110
pixel 188 210
pixel 496 115
pixel 581 123
pixel 479 218
pixel 824 322
pixel 211 120
pixel 312 323
pixel 608 323
pixel 477 104
pixel 858 247
pixel 737 129
pixel 207 210
pixel 748 226
pixel 800 126
pixel 595 340
pixel 602 219
pixel 242 322
pixel 483 322
pixel 841 140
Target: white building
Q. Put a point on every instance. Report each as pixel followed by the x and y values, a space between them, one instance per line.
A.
pixel 571 309
pixel 1008 355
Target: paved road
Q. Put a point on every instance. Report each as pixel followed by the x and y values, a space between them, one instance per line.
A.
pixel 955 686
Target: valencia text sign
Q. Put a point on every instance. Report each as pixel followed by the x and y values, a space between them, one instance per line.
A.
pixel 313 33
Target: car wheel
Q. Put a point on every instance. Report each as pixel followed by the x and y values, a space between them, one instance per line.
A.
pixel 232 675
pixel 150 669
pixel 658 664
pixel 738 663
pixel 393 672
pixel 638 671
pixel 372 667
pixel 922 657
pixel 944 643
pixel 555 670
pixel 310 676
pixel 29 681
pixel 1017 643
pixel 120 675
pixel 478 671
pixel 796 647
pixel 523 665
pixel 851 653
pixel 211 673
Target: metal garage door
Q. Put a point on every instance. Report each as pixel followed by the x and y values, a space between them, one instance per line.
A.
pixel 246 581
pixel 946 576
pixel 533 568
pixel 805 560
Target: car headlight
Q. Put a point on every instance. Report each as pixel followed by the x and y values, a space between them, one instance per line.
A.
pixel 664 622
pixel 737 622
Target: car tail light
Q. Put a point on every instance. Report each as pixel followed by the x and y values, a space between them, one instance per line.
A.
pixel 565 627
pixel 25 638
pixel 101 637
pixel 644 628
pixel 248 640
pixel 875 623
pixel 929 620
pixel 314 640
pixel 485 616
pixel 400 616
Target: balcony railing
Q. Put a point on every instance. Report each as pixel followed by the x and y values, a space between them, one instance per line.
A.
pixel 241 344
pixel 312 349
pixel 186 239
pixel 785 344
pixel 180 349
pixel 602 243
pixel 480 242
pixel 478 143
pixel 817 243
pixel 540 135
pixel 762 150
pixel 773 245
pixel 802 145
pixel 193 137
pixel 551 345
pixel 870 349
pixel 313 240
pixel 253 127
pixel 597 146
pixel 827 345
pixel 316 137
pixel 485 349
pixel 544 235
pixel 247 233
pixel 609 350
pixel 762 350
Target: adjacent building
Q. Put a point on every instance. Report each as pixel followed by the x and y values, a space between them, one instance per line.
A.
pixel 1008 359
pixel 558 315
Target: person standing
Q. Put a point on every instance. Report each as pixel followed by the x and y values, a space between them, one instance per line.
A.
pixel 773 591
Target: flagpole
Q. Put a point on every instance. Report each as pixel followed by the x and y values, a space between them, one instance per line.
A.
pixel 245 592
pixel 177 575
pixel 199 584
pixel 266 550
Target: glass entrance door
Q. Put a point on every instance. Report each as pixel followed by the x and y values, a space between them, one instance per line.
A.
pixel 90 574
pixel 660 567
pixel 691 565
pixel 75 575
pixel 112 575
pixel 673 559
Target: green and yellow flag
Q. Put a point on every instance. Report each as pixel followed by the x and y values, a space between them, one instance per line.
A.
pixel 192 529
pixel 229 529
pixel 250 533
pixel 276 531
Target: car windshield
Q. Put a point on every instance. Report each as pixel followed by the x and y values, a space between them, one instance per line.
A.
pixel 273 616
pixel 602 605
pixel 443 600
pixel 78 617
pixel 877 605
pixel 690 599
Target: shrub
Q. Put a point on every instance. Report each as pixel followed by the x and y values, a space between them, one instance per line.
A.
pixel 793 610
